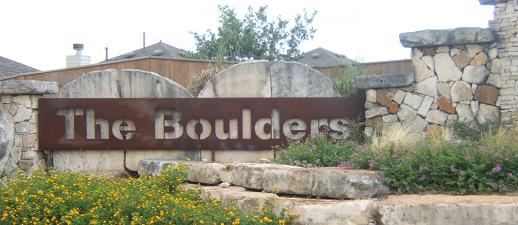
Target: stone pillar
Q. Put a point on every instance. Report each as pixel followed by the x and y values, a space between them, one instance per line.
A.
pixel 18 125
pixel 504 26
pixel 456 76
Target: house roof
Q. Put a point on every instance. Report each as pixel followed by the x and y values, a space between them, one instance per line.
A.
pixel 159 49
pixel 10 67
pixel 321 57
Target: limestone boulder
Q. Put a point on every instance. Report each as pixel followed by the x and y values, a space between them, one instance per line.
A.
pixel 425 106
pixel 294 79
pixel 197 171
pixel 475 74
pixel 415 126
pixel 379 111
pixel 488 114
pixel 445 105
pixel 413 100
pixel 461 35
pixel 445 68
pixel 480 59
pixel 461 91
pixel 444 90
pixel 399 96
pixel 427 87
pixel 465 114
pixel 422 70
pixel 371 95
pixel 406 113
pixel 437 117
pixel 487 94
pixel 97 84
pixel 384 81
pixel 461 60
pixel 144 84
pixel 347 184
pixel 250 79
pixel 452 210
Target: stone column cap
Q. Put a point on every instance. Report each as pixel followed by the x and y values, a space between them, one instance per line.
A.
pixel 28 87
pixel 461 35
pixel 492 2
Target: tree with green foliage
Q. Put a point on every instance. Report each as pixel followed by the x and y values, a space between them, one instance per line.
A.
pixel 254 36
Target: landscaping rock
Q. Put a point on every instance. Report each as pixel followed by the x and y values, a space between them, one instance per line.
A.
pixel 488 114
pixel 28 87
pixel 425 106
pixel 347 184
pixel 445 105
pixel 475 74
pixel 461 60
pixel 487 94
pixel 380 111
pixel 384 81
pixel 461 91
pixel 304 211
pixel 436 117
pixel 427 87
pixel 406 113
pixel 370 105
pixel 445 68
pixel 448 209
pixel 197 172
pixel 413 100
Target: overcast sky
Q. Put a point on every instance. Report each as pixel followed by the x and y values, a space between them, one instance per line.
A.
pixel 41 33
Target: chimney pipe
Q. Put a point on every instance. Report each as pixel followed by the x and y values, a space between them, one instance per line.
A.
pixel 106 53
pixel 144 40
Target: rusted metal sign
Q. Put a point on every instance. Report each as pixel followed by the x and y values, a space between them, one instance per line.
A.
pixel 190 123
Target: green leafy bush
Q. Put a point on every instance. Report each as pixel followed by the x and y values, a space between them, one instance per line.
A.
pixel 74 198
pixel 459 167
pixel 316 152
pixel 489 164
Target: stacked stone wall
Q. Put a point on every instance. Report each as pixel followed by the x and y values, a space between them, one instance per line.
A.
pixel 456 77
pixel 19 125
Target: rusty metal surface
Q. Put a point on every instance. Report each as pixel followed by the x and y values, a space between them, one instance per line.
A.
pixel 142 112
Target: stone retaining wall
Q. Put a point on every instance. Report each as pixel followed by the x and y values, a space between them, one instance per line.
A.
pixel 19 125
pixel 456 77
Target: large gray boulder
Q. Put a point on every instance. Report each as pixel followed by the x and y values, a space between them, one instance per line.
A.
pixel 336 183
pixel 263 79
pixel 111 84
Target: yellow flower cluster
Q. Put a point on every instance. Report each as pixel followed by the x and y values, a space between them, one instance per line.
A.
pixel 74 198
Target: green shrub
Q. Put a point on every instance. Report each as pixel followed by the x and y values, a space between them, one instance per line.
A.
pixel 74 198
pixel 458 167
pixel 316 152
pixel 470 131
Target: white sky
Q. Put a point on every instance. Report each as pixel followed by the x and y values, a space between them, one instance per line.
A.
pixel 41 33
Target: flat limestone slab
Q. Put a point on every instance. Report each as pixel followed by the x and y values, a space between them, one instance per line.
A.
pixel 334 183
pixel 449 209
pixel 304 211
